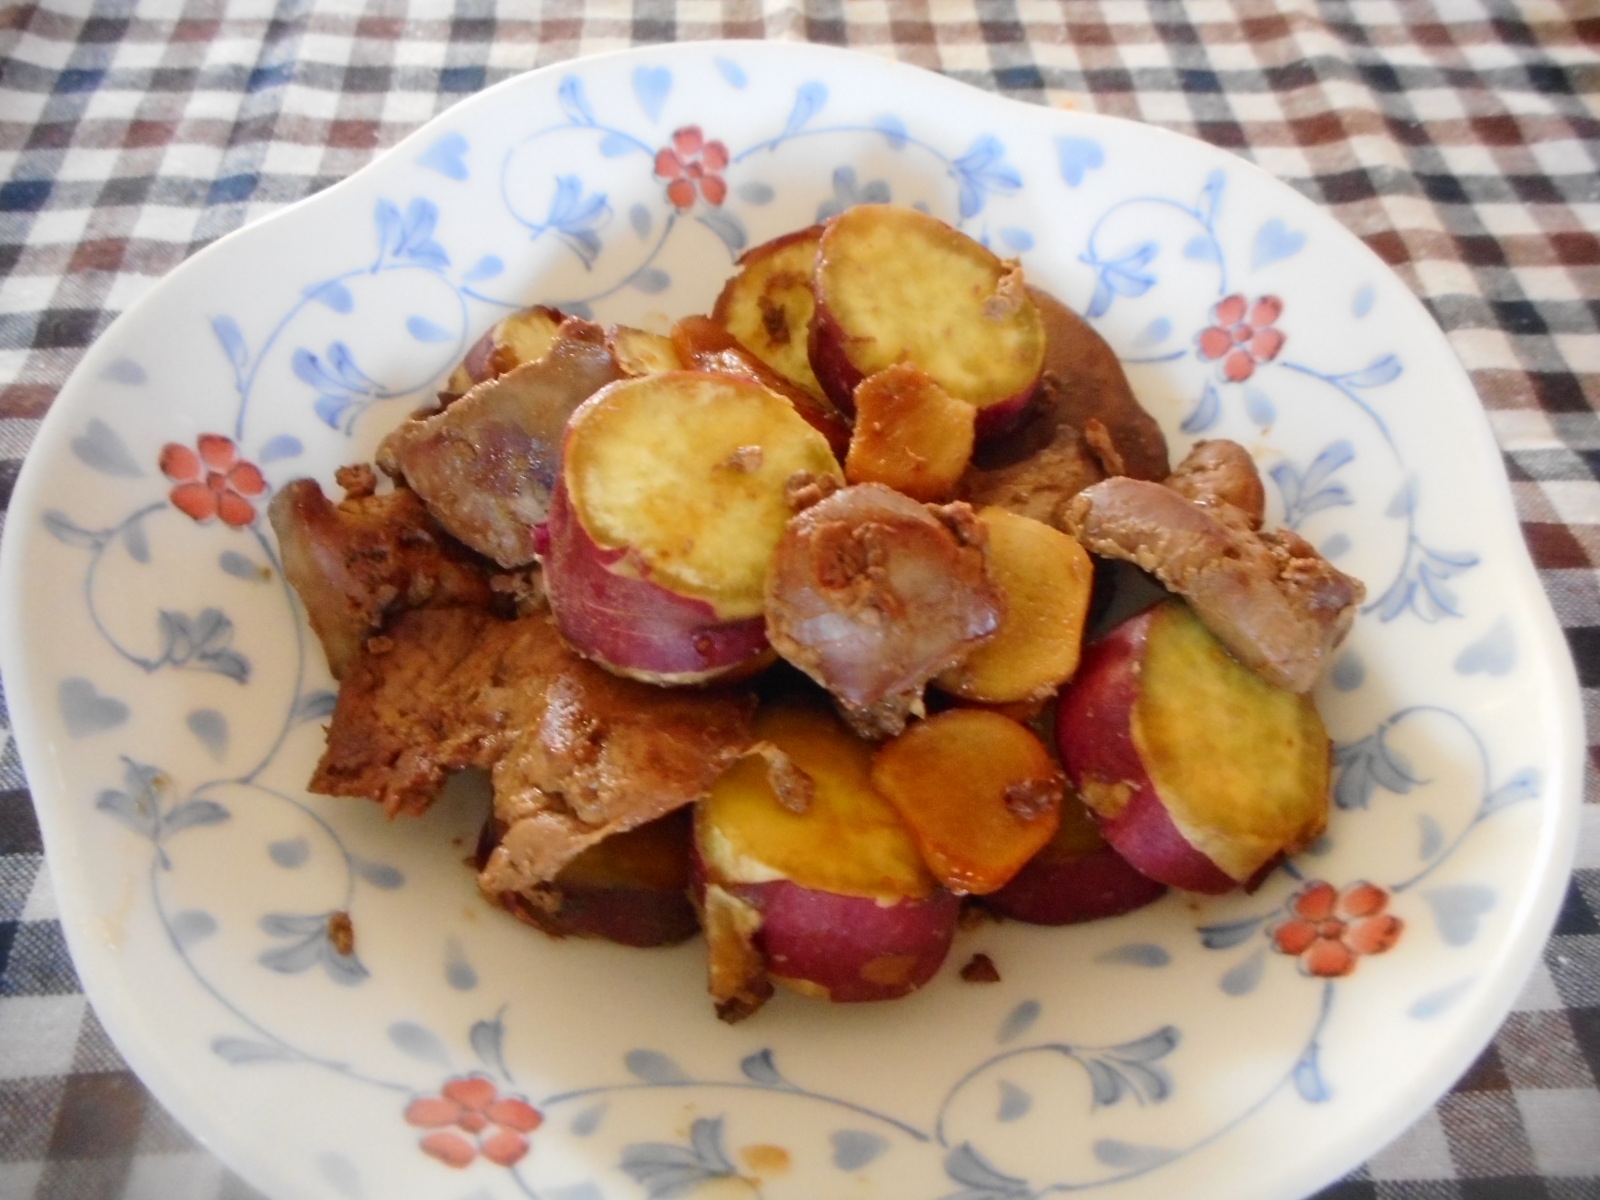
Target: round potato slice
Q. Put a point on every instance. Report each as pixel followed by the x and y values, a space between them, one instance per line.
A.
pixel 896 285
pixel 685 474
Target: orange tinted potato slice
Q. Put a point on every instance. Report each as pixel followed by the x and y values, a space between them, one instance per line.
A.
pixel 980 793
pixel 910 434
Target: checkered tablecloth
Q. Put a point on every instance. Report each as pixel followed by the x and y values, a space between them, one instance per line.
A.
pixel 1459 138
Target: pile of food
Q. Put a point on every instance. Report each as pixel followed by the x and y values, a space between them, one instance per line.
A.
pixel 773 627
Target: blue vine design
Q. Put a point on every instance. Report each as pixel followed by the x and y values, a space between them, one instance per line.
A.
pixel 1314 490
pixel 405 242
pixel 1127 272
pixel 1371 763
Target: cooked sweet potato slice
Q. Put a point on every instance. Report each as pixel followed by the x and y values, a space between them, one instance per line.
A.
pixel 979 792
pixel 674 489
pixel 850 950
pixel 767 304
pixel 704 345
pixel 640 352
pixel 910 434
pixel 1047 580
pixel 524 336
pixel 685 474
pixel 847 839
pixel 1201 773
pixel 842 905
pixel 895 285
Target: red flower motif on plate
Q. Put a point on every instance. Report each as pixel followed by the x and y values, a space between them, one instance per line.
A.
pixel 470 1117
pixel 1328 930
pixel 1243 335
pixel 213 481
pixel 693 166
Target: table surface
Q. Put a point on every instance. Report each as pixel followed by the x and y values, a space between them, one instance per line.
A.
pixel 1460 139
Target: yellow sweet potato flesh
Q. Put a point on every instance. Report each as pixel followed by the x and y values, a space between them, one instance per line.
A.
pixel 906 287
pixel 523 337
pixel 979 791
pixel 1047 579
pixel 640 352
pixel 910 434
pixel 701 344
pixel 768 305
pixel 849 841
pixel 1242 767
pixel 685 472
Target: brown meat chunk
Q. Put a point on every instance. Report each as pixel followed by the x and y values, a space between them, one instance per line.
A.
pixel 872 594
pixel 574 753
pixel 1093 385
pixel 631 888
pixel 1218 473
pixel 1036 469
pixel 1084 425
pixel 1270 598
pixel 358 562
pixel 486 465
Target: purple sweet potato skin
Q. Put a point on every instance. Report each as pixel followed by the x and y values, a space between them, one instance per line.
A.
pixel 850 947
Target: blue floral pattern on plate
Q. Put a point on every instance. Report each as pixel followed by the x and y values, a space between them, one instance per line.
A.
pixel 375 1030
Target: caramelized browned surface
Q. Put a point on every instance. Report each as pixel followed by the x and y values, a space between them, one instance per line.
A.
pixel 357 562
pixel 872 594
pixel 1084 425
pixel 485 465
pixel 910 434
pixel 574 753
pixel 1270 598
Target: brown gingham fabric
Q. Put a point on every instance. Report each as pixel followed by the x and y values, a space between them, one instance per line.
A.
pixel 1459 138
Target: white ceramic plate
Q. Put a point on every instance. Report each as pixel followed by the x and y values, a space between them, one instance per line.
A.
pixel 167 699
